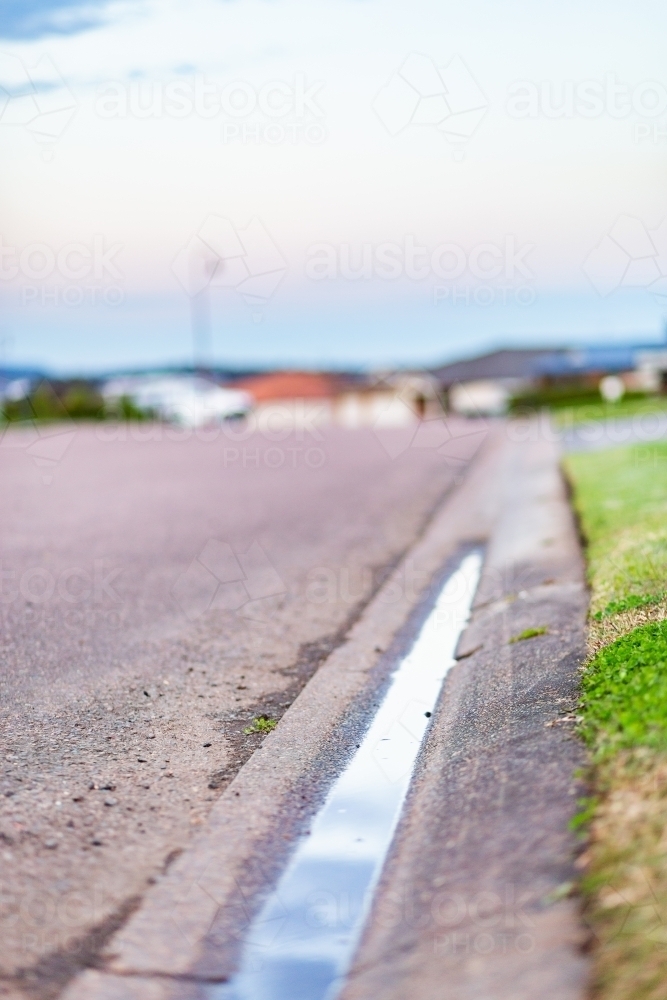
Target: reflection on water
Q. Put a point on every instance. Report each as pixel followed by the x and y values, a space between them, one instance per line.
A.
pixel 301 944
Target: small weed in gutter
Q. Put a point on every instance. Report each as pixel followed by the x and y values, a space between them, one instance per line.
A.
pixel 262 724
pixel 530 633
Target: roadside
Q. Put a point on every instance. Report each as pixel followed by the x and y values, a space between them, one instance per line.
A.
pixel 475 890
pixel 621 498
pixel 474 902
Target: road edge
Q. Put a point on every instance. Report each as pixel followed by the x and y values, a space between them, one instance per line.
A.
pixel 164 939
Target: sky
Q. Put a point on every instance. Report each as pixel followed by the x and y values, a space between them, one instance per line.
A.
pixel 346 183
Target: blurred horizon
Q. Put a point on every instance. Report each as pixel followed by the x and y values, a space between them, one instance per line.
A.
pixel 383 346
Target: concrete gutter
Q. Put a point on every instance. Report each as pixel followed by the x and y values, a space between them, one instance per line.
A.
pixel 489 807
pixel 474 899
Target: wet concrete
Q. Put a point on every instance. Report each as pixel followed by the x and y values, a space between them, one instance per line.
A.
pixel 473 902
pixel 302 941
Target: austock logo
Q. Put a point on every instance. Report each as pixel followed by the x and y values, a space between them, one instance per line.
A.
pixel 81 272
pixel 37 99
pixel 274 112
pixel 630 256
pixel 446 98
pixel 220 579
pixel 221 256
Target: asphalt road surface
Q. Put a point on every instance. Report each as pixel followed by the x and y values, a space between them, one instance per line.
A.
pixel 159 590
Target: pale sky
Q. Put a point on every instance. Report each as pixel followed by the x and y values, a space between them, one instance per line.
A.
pixel 359 183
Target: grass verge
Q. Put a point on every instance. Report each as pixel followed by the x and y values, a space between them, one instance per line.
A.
pixel 621 499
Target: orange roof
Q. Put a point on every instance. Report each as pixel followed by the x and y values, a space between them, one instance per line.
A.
pixel 290 385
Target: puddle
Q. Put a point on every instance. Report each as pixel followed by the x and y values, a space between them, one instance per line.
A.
pixel 301 944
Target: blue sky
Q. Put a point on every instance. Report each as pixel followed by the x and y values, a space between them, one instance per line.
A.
pixel 336 181
pixel 35 19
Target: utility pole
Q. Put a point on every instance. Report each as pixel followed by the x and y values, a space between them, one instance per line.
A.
pixel 200 313
pixel 200 308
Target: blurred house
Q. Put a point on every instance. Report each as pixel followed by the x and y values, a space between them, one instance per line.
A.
pixel 486 384
pixel 593 363
pixel 316 399
pixel 189 400
pixel 651 365
pixel 396 399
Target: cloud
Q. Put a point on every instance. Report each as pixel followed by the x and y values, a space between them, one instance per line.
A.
pixel 31 19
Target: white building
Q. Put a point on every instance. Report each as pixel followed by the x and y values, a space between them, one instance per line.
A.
pixel 188 400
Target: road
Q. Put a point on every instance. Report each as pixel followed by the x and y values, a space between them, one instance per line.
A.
pixel 160 589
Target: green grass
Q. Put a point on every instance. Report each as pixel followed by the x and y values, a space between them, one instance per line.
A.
pixel 529 633
pixel 262 724
pixel 625 692
pixel 570 405
pixel 68 401
pixel 621 498
pixel 628 604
